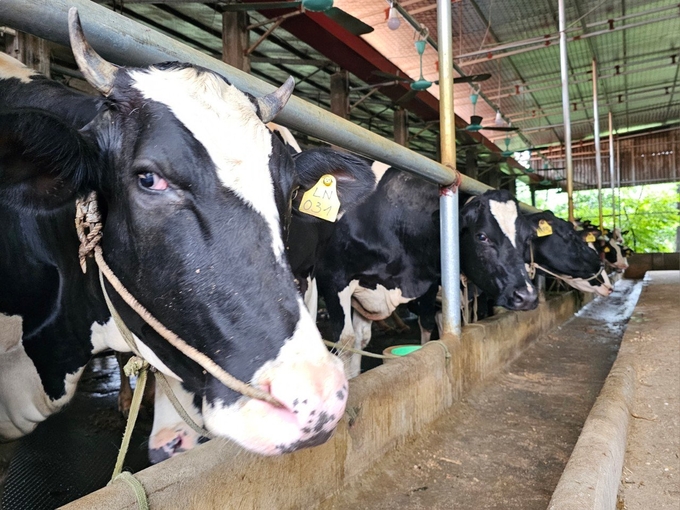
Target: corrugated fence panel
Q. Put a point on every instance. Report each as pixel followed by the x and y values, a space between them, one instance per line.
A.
pixel 644 159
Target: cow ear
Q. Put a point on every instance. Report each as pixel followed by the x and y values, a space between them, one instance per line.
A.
pixel 43 162
pixel 355 179
pixel 469 212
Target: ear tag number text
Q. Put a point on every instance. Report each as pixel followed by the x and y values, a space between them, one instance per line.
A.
pixel 322 199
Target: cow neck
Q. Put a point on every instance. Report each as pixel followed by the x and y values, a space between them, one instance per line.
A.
pixel 533 265
pixel 89 228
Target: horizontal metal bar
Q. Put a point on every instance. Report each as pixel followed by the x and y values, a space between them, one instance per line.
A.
pixel 126 42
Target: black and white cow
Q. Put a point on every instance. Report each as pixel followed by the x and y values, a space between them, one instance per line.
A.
pixel 387 251
pixel 195 192
pixel 609 248
pixel 308 236
pixel 563 252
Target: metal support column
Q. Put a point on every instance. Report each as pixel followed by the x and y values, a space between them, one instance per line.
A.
pixel 565 108
pixel 448 200
pixel 598 153
pixel 611 168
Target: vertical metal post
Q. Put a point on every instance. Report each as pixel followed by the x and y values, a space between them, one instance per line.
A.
pixel 401 126
pixel 564 71
pixel 618 181
pixel 611 168
pixel 340 94
pixel 598 153
pixel 235 40
pixel 448 201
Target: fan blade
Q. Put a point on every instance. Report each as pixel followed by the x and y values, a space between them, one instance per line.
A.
pixel 494 128
pixel 468 79
pixel 407 97
pixel 391 76
pixel 348 22
pixel 471 78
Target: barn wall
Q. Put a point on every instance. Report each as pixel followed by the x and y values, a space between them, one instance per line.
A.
pixel 648 159
pixel 386 406
pixel 640 263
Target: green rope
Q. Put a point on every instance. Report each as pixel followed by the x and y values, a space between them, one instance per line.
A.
pixel 137 487
pixel 134 411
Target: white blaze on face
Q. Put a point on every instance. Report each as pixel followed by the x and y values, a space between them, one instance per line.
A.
pixel 601 289
pixel 224 120
pixel 12 68
pixel 505 214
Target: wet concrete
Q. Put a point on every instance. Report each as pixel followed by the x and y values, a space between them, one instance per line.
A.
pixel 506 444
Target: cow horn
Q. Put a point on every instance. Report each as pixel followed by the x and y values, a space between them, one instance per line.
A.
pixel 271 104
pixel 98 72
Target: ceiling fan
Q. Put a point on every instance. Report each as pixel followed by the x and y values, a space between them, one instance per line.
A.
pixel 421 83
pixel 342 18
pixel 476 120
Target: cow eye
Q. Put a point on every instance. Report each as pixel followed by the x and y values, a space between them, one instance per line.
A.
pixel 150 180
pixel 482 238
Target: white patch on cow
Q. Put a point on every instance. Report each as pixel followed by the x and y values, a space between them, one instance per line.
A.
pixel 168 426
pixel 379 303
pixel 12 68
pixel 224 120
pixel 23 402
pixel 601 289
pixel 304 377
pixel 379 170
pixel 286 135
pixel 107 336
pixel 505 214
pixel 312 297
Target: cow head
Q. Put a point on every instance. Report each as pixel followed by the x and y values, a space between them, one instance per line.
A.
pixel 492 239
pixel 564 253
pixel 195 192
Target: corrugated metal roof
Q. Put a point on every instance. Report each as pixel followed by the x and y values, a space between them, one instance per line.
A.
pixel 636 45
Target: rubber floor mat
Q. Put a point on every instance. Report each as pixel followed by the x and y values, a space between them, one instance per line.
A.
pixel 73 452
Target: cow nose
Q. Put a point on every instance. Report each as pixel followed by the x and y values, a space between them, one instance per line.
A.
pixel 315 395
pixel 524 298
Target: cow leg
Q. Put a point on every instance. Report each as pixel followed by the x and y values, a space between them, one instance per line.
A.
pixel 362 336
pixel 339 307
pixel 170 435
pixel 425 334
pixel 383 326
pixel 125 393
pixel 427 309
pixel 400 324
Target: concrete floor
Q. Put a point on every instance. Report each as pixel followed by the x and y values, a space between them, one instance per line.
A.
pixel 505 446
pixel 651 470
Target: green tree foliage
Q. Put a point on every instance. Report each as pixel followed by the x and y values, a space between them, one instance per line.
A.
pixel 649 213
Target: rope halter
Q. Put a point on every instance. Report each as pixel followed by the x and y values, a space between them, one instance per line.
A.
pixel 89 226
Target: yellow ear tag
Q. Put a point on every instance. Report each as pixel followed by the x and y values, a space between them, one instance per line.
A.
pixel 322 199
pixel 590 238
pixel 544 229
pixel 606 249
